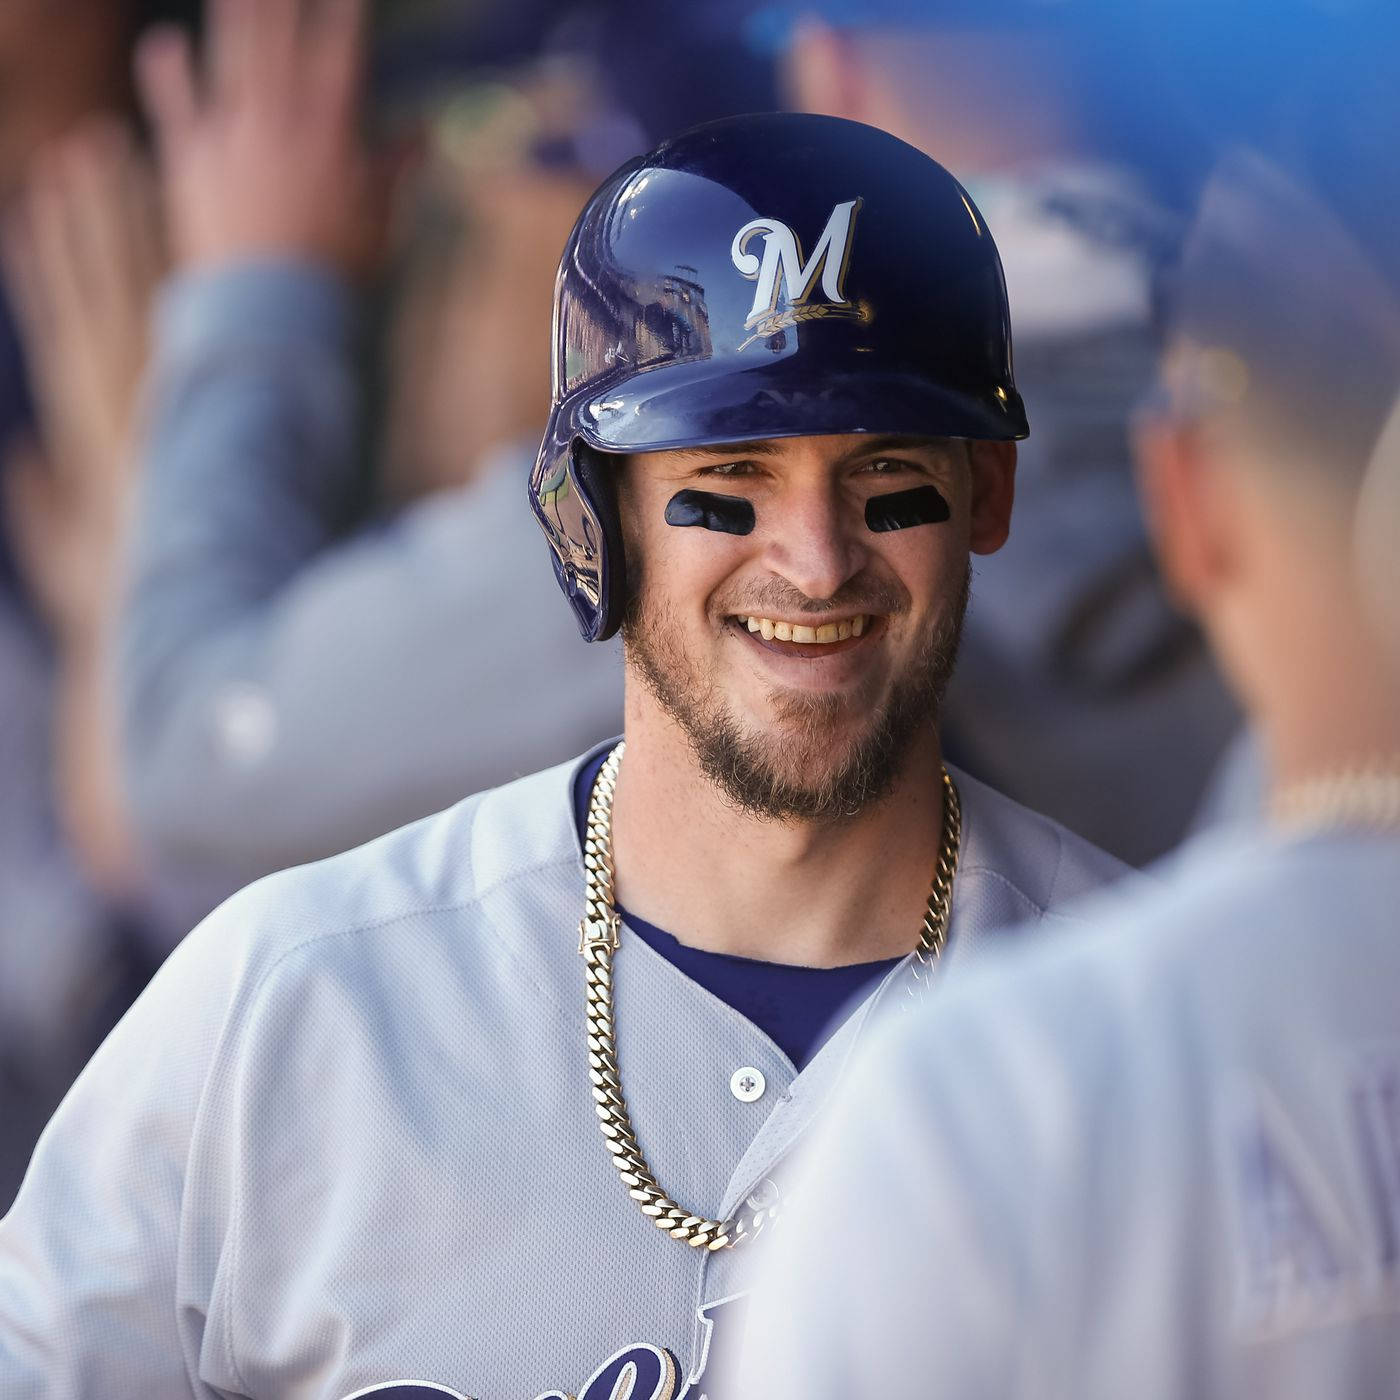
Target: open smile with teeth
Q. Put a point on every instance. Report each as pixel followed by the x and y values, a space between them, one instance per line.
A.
pixel 822 635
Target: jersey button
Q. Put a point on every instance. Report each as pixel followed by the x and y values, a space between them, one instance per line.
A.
pixel 747 1084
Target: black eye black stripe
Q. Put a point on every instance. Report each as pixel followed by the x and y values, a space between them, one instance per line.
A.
pixel 902 510
pixel 731 515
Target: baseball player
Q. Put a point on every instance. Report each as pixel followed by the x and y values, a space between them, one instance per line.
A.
pixel 348 1143
pixel 1162 1158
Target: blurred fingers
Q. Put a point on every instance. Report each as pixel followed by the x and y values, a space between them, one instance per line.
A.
pixel 89 191
pixel 231 48
pixel 114 217
pixel 271 50
pixel 78 254
pixel 111 237
pixel 165 81
pixel 47 299
pixel 139 234
pixel 335 39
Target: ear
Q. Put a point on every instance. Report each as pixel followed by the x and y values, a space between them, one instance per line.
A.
pixel 992 473
pixel 1186 502
pixel 820 72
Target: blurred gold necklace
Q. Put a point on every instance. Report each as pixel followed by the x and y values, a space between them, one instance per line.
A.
pixel 598 935
pixel 1361 795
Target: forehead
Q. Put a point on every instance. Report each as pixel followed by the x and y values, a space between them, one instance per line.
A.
pixel 829 451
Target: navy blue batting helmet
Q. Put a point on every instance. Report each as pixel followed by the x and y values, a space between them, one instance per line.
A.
pixel 763 276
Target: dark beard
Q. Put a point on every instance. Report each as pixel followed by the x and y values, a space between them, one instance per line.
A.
pixel 739 762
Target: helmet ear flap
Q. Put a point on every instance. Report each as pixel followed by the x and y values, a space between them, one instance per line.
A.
pixel 596 474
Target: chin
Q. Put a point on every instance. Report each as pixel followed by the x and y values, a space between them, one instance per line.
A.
pixel 821 760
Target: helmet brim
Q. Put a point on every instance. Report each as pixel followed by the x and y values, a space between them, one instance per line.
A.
pixel 696 404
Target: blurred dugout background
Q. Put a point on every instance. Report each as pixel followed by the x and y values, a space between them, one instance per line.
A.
pixel 255 608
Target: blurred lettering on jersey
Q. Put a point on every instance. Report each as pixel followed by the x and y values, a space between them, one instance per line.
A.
pixel 1312 1250
pixel 637 1372
pixel 787 285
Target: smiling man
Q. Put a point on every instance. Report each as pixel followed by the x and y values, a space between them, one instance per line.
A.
pixel 787 658
pixel 351 1133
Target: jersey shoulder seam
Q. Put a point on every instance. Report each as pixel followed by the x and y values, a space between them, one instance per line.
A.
pixel 992 873
pixel 1059 864
pixel 412 912
pixel 566 862
pixel 256 991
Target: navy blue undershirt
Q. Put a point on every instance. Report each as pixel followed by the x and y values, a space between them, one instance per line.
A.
pixel 796 1007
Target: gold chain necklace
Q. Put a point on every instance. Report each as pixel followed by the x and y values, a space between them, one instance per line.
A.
pixel 598 934
pixel 1364 795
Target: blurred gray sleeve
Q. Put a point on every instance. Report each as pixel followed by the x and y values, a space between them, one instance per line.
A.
pixel 287 693
pixel 93 1298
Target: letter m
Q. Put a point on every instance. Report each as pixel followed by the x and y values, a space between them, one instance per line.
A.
pixel 782 266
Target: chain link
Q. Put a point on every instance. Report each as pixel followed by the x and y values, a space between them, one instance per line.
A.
pixel 599 938
pixel 1363 795
pixel 933 933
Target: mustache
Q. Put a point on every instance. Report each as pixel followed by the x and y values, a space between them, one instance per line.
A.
pixel 857 595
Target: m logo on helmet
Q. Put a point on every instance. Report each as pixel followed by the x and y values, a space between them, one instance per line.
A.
pixel 787 285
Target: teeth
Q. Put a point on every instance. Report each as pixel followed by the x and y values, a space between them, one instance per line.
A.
pixel 808 636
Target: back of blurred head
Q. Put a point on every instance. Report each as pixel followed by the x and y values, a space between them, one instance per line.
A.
pixel 1271 465
pixel 986 86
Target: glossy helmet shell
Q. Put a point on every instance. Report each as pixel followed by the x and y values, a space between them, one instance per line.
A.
pixel 692 307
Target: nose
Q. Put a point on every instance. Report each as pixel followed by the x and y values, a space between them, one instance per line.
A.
pixel 812 538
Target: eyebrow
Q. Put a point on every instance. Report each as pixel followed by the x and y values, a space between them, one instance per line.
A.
pixel 768 447
pixel 762 447
pixel 896 442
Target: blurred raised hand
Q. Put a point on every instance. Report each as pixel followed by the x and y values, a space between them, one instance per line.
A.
pixel 82 252
pixel 260 148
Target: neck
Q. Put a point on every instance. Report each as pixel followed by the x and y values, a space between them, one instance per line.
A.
pixel 812 894
pixel 1320 685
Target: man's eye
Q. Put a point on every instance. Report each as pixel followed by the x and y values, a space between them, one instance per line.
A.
pixel 885 466
pixel 728 469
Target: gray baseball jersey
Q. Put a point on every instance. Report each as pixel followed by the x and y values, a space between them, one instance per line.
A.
pixel 346 1137
pixel 1159 1160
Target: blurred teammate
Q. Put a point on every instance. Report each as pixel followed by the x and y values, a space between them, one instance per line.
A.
pixel 1080 691
pixel 295 678
pixel 1163 1158
pixel 81 919
pixel 351 1133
